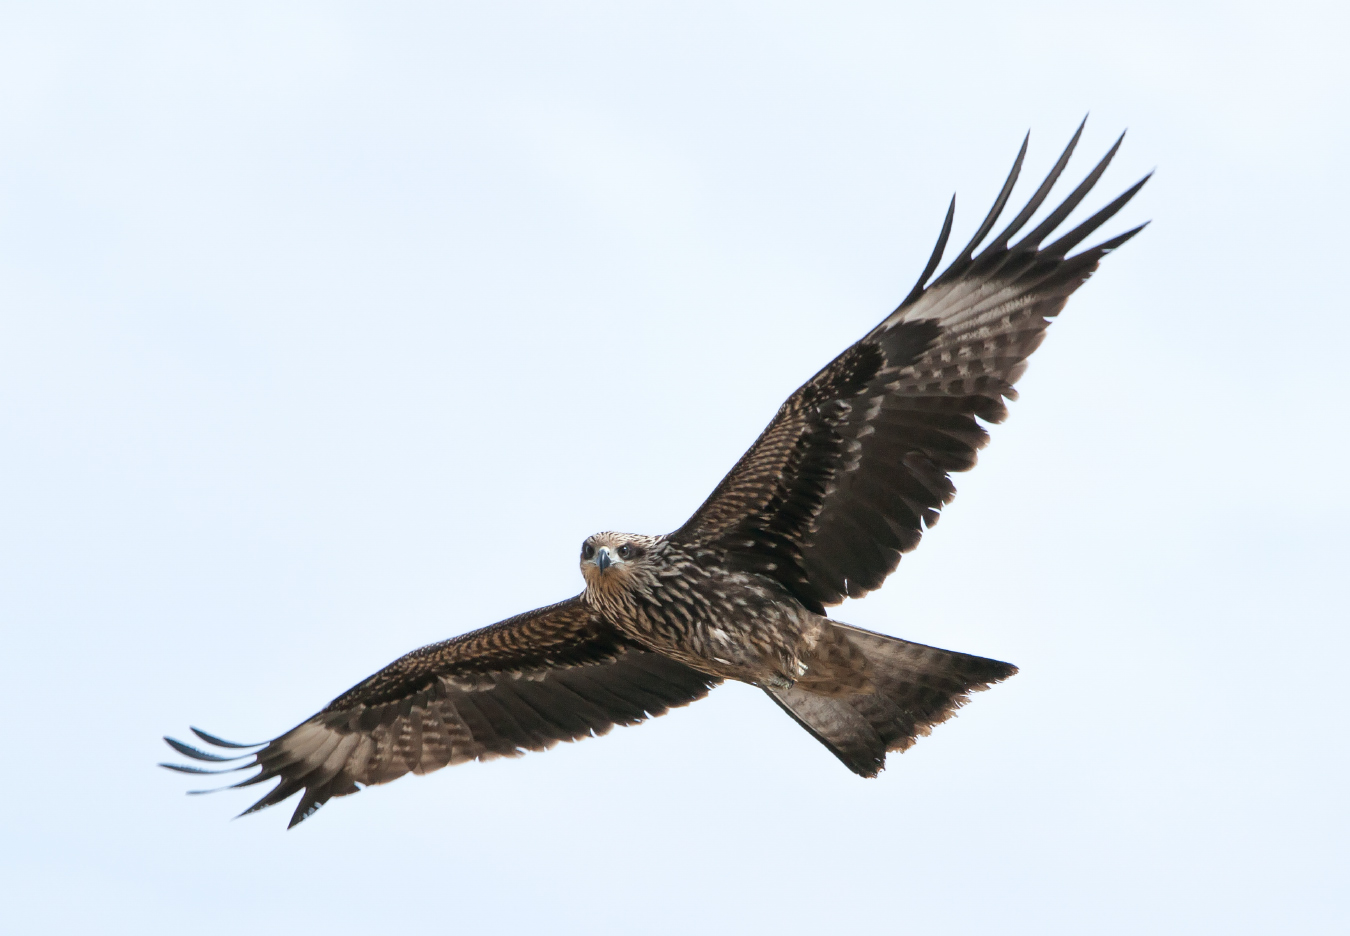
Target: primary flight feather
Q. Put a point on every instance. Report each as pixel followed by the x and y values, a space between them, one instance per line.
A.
pixel 842 482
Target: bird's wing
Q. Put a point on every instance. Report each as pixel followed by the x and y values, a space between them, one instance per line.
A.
pixel 559 673
pixel 857 462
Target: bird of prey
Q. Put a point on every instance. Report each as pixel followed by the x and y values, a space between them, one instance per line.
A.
pixel 843 481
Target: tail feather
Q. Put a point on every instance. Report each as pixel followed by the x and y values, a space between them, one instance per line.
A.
pixel 915 687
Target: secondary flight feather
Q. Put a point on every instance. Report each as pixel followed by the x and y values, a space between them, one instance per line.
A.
pixel 843 481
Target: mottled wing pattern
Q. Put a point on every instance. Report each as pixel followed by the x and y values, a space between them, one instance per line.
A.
pixel 857 462
pixel 559 673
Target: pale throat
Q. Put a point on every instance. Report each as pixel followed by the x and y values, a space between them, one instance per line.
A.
pixel 614 592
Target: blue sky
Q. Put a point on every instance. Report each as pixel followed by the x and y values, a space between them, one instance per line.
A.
pixel 328 331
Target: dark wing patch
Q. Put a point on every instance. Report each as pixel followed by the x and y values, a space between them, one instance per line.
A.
pixel 857 462
pixel 559 673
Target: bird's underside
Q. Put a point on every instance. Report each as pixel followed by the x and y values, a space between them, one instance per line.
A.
pixel 842 482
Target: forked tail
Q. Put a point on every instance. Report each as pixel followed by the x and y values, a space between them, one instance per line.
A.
pixel 917 687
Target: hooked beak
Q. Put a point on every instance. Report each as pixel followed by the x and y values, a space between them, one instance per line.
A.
pixel 603 559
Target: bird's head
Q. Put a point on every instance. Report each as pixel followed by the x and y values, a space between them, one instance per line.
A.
pixel 615 560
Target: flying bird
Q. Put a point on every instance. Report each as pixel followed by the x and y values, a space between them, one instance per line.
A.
pixel 843 481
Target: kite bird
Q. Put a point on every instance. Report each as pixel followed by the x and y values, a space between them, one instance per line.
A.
pixel 843 481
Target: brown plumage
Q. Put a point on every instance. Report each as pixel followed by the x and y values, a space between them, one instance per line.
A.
pixel 843 481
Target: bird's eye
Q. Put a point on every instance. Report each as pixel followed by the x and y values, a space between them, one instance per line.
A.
pixel 587 551
pixel 626 551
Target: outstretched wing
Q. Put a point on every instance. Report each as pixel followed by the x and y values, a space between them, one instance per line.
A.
pixel 559 673
pixel 857 462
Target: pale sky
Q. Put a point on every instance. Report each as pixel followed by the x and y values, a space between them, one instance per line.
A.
pixel 330 330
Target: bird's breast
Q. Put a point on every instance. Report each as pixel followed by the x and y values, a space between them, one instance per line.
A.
pixel 730 624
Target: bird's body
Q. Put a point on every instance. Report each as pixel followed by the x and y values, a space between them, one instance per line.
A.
pixel 848 475
pixel 733 625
